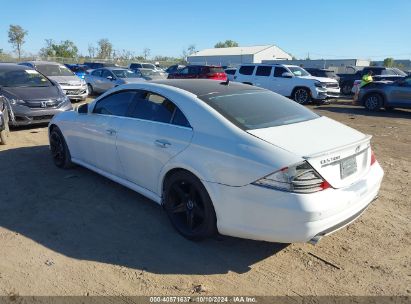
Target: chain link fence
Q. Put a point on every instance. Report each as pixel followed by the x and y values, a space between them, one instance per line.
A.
pixel 80 60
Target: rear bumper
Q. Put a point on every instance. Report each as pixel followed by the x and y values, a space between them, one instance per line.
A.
pixel 264 214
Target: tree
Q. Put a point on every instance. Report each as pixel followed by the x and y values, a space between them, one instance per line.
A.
pixel 191 49
pixel 225 44
pixel 66 49
pixel 92 50
pixel 105 49
pixel 146 53
pixel 16 37
pixel 389 62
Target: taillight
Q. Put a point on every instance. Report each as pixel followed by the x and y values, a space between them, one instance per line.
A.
pixel 373 159
pixel 219 76
pixel 299 178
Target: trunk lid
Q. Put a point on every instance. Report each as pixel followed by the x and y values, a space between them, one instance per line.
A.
pixel 340 154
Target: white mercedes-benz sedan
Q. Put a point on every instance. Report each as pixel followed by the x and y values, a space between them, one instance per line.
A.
pixel 225 157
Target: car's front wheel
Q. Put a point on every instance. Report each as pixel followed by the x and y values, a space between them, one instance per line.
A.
pixel 302 95
pixel 189 206
pixel 90 89
pixel 59 150
pixel 373 102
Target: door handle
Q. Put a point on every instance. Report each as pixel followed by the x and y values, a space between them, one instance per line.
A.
pixel 111 131
pixel 162 143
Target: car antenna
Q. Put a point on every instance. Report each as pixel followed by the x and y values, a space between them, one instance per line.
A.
pixel 227 82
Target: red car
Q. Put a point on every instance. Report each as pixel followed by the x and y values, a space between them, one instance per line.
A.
pixel 200 71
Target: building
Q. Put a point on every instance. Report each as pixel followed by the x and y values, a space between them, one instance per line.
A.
pixel 234 56
pixel 337 65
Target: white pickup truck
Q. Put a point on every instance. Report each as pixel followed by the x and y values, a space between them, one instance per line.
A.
pixel 288 80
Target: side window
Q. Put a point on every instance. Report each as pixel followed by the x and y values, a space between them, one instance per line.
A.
pixel 263 70
pixel 246 70
pixel 96 73
pixel 106 73
pixel 179 119
pixel 279 71
pixel 193 70
pixel 151 106
pixel 184 71
pixel 115 104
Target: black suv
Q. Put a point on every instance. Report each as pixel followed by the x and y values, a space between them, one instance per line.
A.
pixel 322 73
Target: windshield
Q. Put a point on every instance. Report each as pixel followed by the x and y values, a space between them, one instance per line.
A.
pixel 297 71
pixel 252 109
pixel 149 73
pixel 54 70
pixel 125 74
pixel 23 78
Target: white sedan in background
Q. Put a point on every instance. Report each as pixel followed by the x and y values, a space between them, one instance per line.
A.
pixel 225 157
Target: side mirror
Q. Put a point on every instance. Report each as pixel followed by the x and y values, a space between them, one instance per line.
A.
pixel 110 77
pixel 83 109
pixel 287 75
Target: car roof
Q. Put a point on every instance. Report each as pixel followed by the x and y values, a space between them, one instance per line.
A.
pixel 13 67
pixel 201 87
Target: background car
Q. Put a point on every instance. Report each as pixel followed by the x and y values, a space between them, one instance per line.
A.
pixel 174 68
pixel 379 73
pixel 322 73
pixel 79 69
pixel 33 98
pixel 134 66
pixel 72 86
pixel 97 65
pixel 232 158
pixel 101 80
pixel 288 80
pixel 378 94
pixel 230 72
pixel 200 71
pixel 149 74
pixel 4 121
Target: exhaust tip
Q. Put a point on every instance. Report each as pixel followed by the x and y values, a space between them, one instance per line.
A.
pixel 315 240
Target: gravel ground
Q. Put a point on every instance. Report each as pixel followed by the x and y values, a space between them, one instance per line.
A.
pixel 73 232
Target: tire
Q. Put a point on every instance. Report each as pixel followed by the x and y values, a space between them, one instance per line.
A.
pixel 373 102
pixel 90 89
pixel 5 134
pixel 346 88
pixel 59 150
pixel 189 207
pixel 249 83
pixel 302 95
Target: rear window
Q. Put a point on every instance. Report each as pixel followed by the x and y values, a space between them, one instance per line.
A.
pixel 216 70
pixel 246 70
pixel 252 109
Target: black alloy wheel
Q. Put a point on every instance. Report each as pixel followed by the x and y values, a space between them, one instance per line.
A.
pixel 189 207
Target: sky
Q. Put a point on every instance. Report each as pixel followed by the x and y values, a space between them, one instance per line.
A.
pixel 365 29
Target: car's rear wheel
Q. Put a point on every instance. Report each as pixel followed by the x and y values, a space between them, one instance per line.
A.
pixel 90 89
pixel 59 150
pixel 373 102
pixel 189 206
pixel 302 95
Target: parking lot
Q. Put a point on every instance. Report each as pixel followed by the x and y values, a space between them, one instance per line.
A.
pixel 73 232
